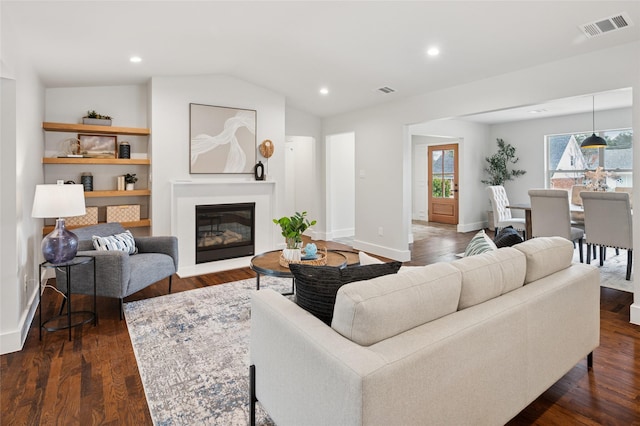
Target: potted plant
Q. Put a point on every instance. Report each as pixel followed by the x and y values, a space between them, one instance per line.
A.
pixel 94 118
pixel 292 229
pixel 130 180
pixel 498 169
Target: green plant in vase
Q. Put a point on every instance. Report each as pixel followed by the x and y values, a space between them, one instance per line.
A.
pixel 292 228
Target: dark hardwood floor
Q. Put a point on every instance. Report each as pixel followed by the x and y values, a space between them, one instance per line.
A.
pixel 94 378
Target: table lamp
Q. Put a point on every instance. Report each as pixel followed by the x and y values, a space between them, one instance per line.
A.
pixel 59 201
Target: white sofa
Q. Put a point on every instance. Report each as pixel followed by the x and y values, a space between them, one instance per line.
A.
pixel 471 342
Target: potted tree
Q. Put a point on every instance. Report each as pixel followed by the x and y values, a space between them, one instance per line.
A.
pixel 292 228
pixel 130 180
pixel 499 171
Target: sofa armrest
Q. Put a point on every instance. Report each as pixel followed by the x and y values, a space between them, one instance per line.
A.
pixel 164 244
pixel 306 373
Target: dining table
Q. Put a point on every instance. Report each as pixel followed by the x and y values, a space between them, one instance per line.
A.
pixel 527 215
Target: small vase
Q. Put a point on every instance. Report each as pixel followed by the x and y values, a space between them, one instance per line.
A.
pixel 292 254
pixel 129 187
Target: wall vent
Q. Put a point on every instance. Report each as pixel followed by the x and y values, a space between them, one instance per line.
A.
pixel 603 26
pixel 386 89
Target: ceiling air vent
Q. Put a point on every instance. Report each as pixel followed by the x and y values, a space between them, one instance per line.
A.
pixel 602 26
pixel 386 89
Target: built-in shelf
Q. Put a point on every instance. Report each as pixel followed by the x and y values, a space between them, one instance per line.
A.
pixel 74 160
pixel 88 128
pixel 137 224
pixel 133 193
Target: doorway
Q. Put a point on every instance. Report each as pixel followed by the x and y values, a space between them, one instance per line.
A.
pixel 443 183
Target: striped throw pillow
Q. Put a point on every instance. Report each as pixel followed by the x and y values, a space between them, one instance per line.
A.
pixel 480 243
pixel 121 242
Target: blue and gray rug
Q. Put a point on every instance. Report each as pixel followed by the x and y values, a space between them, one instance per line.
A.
pixel 192 350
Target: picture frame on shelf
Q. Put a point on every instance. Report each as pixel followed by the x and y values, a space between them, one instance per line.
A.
pixel 221 139
pixel 98 146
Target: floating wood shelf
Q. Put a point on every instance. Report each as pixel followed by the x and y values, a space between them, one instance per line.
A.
pixel 88 128
pixel 74 160
pixel 137 224
pixel 134 193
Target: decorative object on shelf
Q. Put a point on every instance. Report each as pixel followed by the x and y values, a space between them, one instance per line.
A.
pixel 89 218
pixel 292 228
pixel 124 213
pixel 593 141
pixel 98 146
pixel 498 169
pixel 310 251
pixel 258 171
pixel 130 180
pixel 70 147
pixel 124 150
pixel 120 183
pixel 96 119
pixel 59 201
pixel 222 139
pixel 87 181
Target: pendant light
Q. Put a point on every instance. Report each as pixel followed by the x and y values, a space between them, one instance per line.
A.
pixel 594 141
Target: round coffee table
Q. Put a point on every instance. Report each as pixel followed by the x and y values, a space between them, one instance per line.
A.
pixel 269 264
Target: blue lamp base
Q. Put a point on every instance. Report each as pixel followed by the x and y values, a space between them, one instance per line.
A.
pixel 60 245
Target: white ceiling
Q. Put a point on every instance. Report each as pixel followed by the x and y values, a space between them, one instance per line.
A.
pixel 295 47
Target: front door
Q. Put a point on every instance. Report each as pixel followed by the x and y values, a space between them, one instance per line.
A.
pixel 443 183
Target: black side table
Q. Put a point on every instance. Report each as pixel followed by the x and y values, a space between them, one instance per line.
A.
pixel 84 317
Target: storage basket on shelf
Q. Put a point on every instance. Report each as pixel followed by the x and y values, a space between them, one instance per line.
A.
pixel 124 213
pixel 89 218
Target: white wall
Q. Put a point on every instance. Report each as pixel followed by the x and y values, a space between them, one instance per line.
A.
pixel 170 98
pixel 340 184
pixel 22 148
pixel 300 178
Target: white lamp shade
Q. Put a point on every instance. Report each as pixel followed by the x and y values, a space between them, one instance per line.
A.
pixel 58 201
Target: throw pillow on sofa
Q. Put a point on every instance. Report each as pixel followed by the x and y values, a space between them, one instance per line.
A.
pixel 480 243
pixel 122 242
pixel 316 286
pixel 507 237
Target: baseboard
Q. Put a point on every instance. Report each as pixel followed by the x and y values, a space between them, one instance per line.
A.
pixel 469 227
pixel 635 313
pixel 13 340
pixel 400 255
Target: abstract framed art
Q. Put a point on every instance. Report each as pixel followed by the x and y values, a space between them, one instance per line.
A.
pixel 222 139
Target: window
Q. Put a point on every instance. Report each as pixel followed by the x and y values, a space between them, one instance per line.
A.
pixel 567 163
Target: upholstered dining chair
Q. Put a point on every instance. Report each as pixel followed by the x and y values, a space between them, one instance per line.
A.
pixel 118 273
pixel 501 214
pixel 608 223
pixel 551 216
pixel 628 190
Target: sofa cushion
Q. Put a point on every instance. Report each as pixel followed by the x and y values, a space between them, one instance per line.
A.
pixel 489 275
pixel 507 237
pixel 316 286
pixel 367 312
pixel 545 256
pixel 480 243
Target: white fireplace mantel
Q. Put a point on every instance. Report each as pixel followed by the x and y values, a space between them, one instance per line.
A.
pixel 187 194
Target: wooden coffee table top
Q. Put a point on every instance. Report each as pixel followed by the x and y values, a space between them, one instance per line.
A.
pixel 269 263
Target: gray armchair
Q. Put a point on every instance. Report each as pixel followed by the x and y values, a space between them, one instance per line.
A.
pixel 119 274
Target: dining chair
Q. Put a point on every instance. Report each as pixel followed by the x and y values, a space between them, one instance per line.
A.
pixel 577 216
pixel 501 214
pixel 608 223
pixel 628 190
pixel 551 216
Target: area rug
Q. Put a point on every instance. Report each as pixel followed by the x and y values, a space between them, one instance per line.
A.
pixel 192 350
pixel 613 271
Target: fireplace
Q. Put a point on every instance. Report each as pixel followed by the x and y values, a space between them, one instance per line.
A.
pixel 224 231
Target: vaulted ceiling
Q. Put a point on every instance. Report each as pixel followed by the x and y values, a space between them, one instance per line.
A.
pixel 296 47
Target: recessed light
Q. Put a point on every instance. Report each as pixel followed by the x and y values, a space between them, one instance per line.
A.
pixel 537 111
pixel 324 91
pixel 135 59
pixel 433 51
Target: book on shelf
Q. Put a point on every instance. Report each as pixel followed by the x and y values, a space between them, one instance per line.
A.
pixel 120 183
